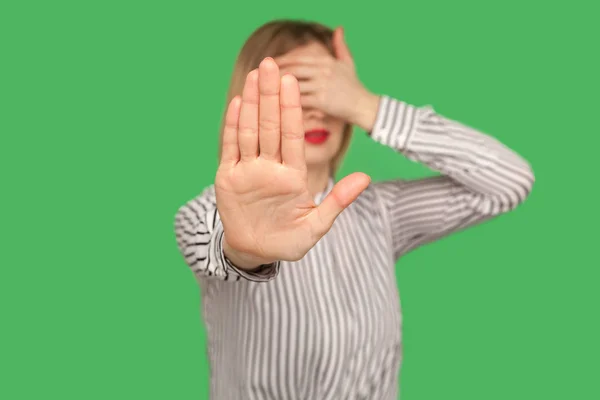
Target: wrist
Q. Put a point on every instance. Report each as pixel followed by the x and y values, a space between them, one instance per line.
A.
pixel 243 261
pixel 365 110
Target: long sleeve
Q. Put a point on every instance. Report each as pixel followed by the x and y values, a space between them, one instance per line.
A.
pixel 199 233
pixel 480 177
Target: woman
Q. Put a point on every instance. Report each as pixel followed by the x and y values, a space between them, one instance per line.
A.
pixel 297 271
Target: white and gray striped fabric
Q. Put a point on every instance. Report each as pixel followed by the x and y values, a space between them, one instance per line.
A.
pixel 329 326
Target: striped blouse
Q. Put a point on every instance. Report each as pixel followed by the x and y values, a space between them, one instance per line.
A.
pixel 329 325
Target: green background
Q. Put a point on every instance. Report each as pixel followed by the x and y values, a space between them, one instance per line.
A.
pixel 109 112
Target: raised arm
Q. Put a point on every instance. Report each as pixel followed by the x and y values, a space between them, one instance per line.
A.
pixel 480 177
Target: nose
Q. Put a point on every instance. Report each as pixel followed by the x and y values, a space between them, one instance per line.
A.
pixel 313 113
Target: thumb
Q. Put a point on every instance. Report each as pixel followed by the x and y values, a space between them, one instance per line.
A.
pixel 342 52
pixel 341 196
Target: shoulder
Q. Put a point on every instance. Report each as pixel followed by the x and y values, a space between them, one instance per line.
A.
pixel 209 193
pixel 203 201
pixel 371 202
pixel 396 191
pixel 388 188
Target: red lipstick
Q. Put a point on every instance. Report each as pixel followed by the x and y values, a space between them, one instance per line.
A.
pixel 316 136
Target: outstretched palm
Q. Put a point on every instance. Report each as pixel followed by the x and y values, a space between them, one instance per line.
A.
pixel 261 185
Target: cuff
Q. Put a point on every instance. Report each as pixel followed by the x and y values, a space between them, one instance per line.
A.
pixel 395 123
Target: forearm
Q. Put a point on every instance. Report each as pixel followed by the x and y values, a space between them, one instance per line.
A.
pixel 473 159
pixel 365 110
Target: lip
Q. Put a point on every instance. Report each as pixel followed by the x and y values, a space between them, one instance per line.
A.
pixel 316 136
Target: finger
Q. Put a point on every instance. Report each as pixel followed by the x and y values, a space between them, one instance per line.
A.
pixel 248 122
pixel 341 196
pixel 302 71
pixel 269 135
pixel 230 152
pixel 309 86
pixel 340 48
pixel 292 125
pixel 294 58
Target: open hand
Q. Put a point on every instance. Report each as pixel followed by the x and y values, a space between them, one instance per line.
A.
pixel 267 211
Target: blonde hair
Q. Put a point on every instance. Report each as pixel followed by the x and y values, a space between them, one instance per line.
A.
pixel 272 40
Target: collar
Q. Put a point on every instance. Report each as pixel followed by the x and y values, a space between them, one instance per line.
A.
pixel 319 197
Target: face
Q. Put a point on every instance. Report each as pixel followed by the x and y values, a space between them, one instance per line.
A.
pixel 323 133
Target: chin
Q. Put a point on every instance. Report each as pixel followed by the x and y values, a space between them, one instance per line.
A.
pixel 317 158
